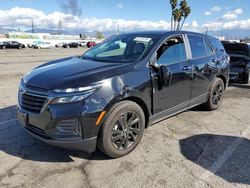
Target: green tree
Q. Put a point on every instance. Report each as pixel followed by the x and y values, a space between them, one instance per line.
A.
pixel 177 18
pixel 173 4
pixel 99 35
pixel 179 14
pixel 186 10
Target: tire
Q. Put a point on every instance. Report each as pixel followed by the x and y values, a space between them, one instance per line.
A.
pixel 215 95
pixel 117 140
pixel 246 77
pixel 4 47
pixel 19 47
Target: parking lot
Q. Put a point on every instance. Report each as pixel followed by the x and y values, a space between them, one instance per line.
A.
pixel 193 149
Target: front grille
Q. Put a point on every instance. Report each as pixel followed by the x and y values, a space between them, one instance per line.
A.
pixel 31 103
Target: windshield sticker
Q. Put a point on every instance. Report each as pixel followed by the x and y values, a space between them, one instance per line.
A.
pixel 142 39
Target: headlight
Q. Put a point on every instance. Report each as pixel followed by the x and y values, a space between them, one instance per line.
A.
pixel 79 94
pixel 75 90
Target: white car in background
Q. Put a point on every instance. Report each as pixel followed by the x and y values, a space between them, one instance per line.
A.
pixel 82 43
pixel 43 45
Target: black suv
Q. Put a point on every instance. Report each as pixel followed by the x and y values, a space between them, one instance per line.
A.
pixel 11 44
pixel 110 94
pixel 239 61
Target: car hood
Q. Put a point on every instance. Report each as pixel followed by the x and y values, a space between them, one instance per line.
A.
pixel 73 72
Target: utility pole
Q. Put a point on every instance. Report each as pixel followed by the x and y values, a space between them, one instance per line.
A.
pixel 60 27
pixel 32 25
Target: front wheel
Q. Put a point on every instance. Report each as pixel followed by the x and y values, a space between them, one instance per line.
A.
pixel 122 130
pixel 215 95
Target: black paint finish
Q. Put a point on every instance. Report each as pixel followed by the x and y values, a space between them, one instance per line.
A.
pixel 161 91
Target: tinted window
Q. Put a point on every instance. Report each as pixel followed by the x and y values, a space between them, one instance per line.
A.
pixel 197 46
pixel 215 43
pixel 173 51
pixel 210 51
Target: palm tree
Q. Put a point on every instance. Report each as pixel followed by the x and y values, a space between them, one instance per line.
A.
pixel 186 13
pixel 179 13
pixel 177 17
pixel 173 6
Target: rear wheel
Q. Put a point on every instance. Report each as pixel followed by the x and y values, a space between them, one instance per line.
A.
pixel 215 96
pixel 246 77
pixel 122 130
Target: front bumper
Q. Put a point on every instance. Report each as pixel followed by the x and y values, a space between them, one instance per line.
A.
pixel 46 134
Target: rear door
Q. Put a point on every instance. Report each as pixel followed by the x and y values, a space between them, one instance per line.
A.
pixel 203 61
pixel 172 88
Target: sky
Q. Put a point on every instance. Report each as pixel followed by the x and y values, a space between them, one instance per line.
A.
pixel 92 15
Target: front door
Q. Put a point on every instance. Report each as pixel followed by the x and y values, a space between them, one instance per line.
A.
pixel 172 82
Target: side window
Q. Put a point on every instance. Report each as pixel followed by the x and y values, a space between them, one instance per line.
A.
pixel 210 50
pixel 172 51
pixel 215 43
pixel 197 46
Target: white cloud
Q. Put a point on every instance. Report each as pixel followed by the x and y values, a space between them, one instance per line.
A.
pixel 232 15
pixel 237 11
pixel 21 17
pixel 213 25
pixel 119 5
pixel 229 16
pixel 216 9
pixel 213 9
pixel 207 13
pixel 235 24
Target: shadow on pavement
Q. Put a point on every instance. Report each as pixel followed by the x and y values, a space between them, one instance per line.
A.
pixel 15 141
pixel 216 154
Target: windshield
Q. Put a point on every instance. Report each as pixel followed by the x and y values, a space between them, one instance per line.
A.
pixel 122 48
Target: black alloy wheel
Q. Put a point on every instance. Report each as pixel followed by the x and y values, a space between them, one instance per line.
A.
pixel 122 129
pixel 126 130
pixel 217 94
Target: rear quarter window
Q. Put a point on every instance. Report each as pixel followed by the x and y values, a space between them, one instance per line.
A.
pixel 197 46
pixel 216 43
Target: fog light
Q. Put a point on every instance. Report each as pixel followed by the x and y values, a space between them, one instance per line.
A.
pixel 69 127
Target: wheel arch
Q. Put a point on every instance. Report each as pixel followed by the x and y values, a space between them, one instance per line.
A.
pixel 134 99
pixel 143 106
pixel 223 79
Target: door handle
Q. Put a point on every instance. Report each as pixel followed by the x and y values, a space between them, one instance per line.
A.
pixel 187 68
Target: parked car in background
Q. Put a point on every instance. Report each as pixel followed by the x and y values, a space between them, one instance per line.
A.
pixel 91 44
pixel 71 45
pixel 82 44
pixel 110 94
pixel 239 61
pixel 43 45
pixel 60 45
pixel 32 45
pixel 11 44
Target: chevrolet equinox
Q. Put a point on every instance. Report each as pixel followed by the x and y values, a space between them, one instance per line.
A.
pixel 110 94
